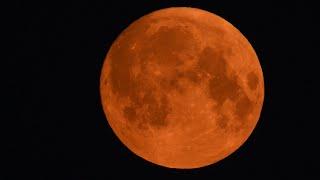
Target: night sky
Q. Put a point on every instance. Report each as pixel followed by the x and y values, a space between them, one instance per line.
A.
pixel 54 124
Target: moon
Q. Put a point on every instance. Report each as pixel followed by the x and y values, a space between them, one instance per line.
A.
pixel 182 88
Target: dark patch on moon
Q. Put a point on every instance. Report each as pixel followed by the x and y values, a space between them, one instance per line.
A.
pixel 174 83
pixel 221 87
pixel 154 113
pixel 120 77
pixel 222 121
pixel 124 85
pixel 122 57
pixel 191 75
pixel 253 80
pixel 158 112
pixel 167 43
pixel 129 113
pixel 243 107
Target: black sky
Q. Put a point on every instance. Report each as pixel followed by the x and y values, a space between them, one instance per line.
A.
pixel 54 124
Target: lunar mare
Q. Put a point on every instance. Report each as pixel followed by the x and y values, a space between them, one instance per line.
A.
pixel 182 88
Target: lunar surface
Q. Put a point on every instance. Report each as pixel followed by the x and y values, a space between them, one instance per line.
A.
pixel 182 88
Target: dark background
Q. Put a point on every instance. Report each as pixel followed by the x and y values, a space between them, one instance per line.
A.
pixel 54 124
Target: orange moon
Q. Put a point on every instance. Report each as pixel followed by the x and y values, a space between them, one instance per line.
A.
pixel 182 88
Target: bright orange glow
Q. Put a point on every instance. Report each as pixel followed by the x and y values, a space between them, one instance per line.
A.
pixel 182 88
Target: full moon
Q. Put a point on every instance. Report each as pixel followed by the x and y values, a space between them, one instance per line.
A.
pixel 182 88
